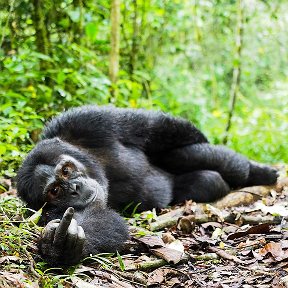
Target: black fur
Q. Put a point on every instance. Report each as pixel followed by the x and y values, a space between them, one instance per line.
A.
pixel 127 156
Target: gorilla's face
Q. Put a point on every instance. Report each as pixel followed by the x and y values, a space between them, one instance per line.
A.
pixel 61 176
pixel 67 184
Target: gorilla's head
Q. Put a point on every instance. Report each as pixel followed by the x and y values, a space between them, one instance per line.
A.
pixel 61 175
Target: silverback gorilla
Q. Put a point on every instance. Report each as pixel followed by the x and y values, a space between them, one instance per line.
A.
pixel 95 160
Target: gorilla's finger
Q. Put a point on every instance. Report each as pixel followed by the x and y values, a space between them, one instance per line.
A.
pixel 61 231
pixel 72 235
pixel 80 242
pixel 49 231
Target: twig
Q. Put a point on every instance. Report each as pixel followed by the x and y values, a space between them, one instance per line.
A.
pixel 109 277
pixel 32 263
pixel 167 220
pixel 225 255
pixel 246 195
pixel 205 257
pixel 133 278
pixel 153 264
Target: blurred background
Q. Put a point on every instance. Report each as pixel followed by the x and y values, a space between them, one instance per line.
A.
pixel 221 64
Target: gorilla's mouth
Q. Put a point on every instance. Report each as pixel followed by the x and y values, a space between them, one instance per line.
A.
pixel 94 197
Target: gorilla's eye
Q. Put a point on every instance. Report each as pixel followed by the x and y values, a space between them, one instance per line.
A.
pixel 54 191
pixel 66 171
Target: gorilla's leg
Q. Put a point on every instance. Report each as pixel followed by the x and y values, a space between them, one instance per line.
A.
pixel 200 186
pixel 234 168
pixel 260 174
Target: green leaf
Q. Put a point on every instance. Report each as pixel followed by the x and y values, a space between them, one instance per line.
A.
pixel 34 219
pixel 121 263
pixel 91 31
pixel 74 15
pixel 2 149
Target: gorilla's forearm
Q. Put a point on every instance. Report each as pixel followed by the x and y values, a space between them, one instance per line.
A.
pixel 67 240
pixel 105 230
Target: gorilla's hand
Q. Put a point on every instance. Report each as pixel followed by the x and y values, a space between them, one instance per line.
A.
pixel 63 240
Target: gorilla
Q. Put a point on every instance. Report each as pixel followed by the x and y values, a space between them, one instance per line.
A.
pixel 92 161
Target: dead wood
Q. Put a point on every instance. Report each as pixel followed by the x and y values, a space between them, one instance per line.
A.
pixel 167 220
pixel 204 212
pixel 244 196
pixel 225 255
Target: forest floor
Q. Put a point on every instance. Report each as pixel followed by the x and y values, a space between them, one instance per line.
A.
pixel 239 241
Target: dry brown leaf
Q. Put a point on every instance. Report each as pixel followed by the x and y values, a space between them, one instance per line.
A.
pixel 168 238
pixel 281 184
pixel 275 249
pixel 9 259
pixel 258 229
pixel 152 241
pixel 170 255
pixel 186 224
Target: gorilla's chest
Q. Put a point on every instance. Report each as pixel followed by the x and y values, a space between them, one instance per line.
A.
pixel 132 178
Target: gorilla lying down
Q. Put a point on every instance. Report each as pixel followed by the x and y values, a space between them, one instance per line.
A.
pixel 97 159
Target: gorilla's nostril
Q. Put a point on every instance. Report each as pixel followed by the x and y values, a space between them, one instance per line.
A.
pixel 75 187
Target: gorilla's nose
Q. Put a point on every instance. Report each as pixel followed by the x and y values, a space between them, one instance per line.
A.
pixel 75 186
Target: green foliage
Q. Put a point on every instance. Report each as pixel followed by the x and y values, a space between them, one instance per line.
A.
pixel 120 261
pixel 15 240
pixel 19 236
pixel 177 56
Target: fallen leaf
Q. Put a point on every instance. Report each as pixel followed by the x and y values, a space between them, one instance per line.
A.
pixel 275 249
pixel 176 245
pixel 186 224
pixel 172 256
pixel 9 259
pixel 257 229
pixel 279 209
pixel 216 233
pixel 152 241
pixel 168 238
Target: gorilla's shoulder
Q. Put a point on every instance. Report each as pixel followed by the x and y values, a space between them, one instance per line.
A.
pixel 93 118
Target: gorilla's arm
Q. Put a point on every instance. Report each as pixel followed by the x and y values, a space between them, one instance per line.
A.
pixel 64 242
pixel 96 127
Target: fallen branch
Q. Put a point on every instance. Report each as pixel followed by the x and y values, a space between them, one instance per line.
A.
pixel 137 277
pixel 257 219
pixel 225 255
pixel 167 220
pixel 205 257
pixel 146 265
pixel 153 264
pixel 244 196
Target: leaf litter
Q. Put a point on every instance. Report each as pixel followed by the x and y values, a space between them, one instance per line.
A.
pixel 238 241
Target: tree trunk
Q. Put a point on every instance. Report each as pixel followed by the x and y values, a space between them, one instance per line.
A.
pixel 236 69
pixel 42 41
pixel 77 27
pixel 134 48
pixel 115 46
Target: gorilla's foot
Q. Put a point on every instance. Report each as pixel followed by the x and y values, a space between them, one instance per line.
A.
pixel 261 174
